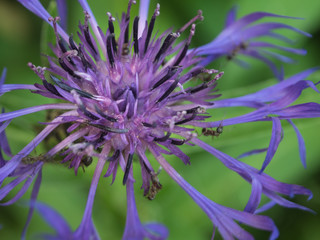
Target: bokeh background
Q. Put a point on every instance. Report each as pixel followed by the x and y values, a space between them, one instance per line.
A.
pixel 20 42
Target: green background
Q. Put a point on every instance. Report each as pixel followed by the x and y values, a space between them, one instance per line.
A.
pixel 20 34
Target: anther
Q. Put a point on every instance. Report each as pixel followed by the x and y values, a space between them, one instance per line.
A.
pixel 67 69
pixel 194 114
pixel 166 44
pixel 128 166
pixel 111 30
pixel 150 27
pixel 108 129
pixel 198 17
pixel 171 71
pixel 109 49
pixel 72 44
pixel 186 46
pixel 169 91
pixel 115 155
pixel 135 35
pixel 98 110
pixel 69 89
pixel 51 88
pixel 86 32
pixel 177 142
pixel 162 139
pixel 87 113
pixel 149 125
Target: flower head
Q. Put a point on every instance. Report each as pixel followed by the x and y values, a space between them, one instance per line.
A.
pixel 126 91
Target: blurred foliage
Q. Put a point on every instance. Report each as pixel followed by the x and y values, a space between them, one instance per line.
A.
pixel 20 34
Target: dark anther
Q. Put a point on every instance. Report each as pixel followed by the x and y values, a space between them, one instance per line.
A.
pixel 51 88
pixel 84 61
pixel 109 118
pixel 72 44
pixel 153 125
pixel 115 155
pixel 126 34
pixel 87 113
pixel 182 55
pixel 162 139
pixel 192 110
pixel 170 73
pixel 108 129
pixel 86 161
pixel 110 25
pixel 62 46
pixel 177 142
pixel 109 50
pixel 194 114
pixel 128 166
pixel 199 88
pixel 166 44
pixel 170 90
pixel 67 69
pixel 69 89
pixel 150 29
pixel 135 35
pixel 133 89
pixel 88 39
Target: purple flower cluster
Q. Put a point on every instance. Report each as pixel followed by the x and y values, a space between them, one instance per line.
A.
pixel 127 91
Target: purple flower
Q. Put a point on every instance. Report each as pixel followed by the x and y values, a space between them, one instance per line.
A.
pixel 239 37
pixel 123 96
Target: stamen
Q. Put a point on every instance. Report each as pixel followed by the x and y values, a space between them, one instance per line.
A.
pixel 128 166
pixel 151 25
pixel 69 89
pixel 186 46
pixel 98 110
pixel 198 17
pixel 67 69
pixel 87 113
pixel 170 73
pixel 194 114
pixel 108 129
pixel 126 34
pixel 115 155
pixel 149 125
pixel 170 90
pixel 62 46
pixel 135 35
pixel 166 44
pixel 109 50
pixel 162 139
pixel 51 88
pixel 72 44
pixel 87 34
pixel 54 23
pixel 111 30
pixel 177 142
pixel 84 61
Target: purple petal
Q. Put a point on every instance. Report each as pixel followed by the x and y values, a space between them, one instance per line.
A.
pixel 302 146
pixel 134 230
pixel 143 14
pixel 54 219
pixel 25 111
pixel 85 229
pixel 62 10
pixel 222 217
pixel 33 199
pixel 255 196
pixel 9 87
pixel 274 142
pixel 37 8
pixel 231 17
pixel 252 152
